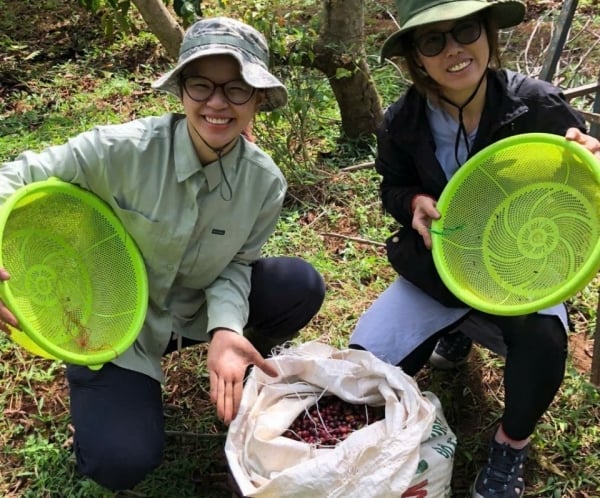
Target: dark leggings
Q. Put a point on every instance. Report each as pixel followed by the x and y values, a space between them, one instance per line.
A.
pixel 535 365
pixel 118 413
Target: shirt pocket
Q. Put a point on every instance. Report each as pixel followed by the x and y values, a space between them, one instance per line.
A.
pixel 148 234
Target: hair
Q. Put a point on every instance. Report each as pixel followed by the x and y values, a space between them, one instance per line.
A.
pixel 423 83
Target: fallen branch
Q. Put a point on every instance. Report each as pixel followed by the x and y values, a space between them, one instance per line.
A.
pixel 368 164
pixel 354 239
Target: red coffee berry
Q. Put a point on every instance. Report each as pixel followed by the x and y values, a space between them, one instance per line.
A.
pixel 331 420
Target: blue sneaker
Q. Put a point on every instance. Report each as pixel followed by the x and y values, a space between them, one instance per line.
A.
pixel 502 475
pixel 451 351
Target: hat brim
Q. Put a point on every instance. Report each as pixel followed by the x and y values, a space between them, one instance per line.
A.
pixel 505 13
pixel 253 74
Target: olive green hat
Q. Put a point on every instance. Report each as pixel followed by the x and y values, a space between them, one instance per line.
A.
pixel 415 13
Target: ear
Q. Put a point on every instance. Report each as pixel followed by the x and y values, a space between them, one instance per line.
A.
pixel 417 60
pixel 248 133
pixel 260 99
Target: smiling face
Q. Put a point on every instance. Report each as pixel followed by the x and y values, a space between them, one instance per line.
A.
pixel 216 121
pixel 458 68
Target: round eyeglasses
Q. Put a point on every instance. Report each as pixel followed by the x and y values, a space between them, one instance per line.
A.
pixel 464 32
pixel 201 89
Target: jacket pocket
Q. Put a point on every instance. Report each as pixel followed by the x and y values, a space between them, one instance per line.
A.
pixel 410 258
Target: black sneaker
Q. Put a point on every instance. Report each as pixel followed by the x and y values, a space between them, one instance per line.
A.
pixel 451 351
pixel 502 476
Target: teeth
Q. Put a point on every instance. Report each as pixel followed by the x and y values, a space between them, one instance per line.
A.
pixel 218 121
pixel 458 67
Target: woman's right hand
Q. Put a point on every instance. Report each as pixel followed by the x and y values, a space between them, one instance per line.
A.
pixel 6 316
pixel 424 212
pixel 229 355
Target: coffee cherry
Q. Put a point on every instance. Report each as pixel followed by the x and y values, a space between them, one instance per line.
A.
pixel 331 420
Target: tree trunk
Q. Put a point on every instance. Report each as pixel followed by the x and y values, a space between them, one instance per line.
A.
pixel 340 55
pixel 162 24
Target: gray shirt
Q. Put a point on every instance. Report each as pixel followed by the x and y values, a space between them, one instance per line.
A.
pixel 197 238
pixel 444 129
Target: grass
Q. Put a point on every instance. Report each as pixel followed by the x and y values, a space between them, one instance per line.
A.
pixel 74 79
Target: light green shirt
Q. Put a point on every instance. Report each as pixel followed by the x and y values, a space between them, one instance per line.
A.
pixel 198 229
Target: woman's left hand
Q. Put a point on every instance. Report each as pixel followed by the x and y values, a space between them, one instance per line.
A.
pixel 590 143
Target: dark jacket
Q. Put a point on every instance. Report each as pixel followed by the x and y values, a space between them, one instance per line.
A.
pixel 406 158
pixel 406 151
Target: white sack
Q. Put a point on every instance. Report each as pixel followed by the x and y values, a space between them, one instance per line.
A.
pixel 381 460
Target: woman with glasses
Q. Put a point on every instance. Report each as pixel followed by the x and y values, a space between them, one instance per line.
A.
pixel 461 101
pixel 200 200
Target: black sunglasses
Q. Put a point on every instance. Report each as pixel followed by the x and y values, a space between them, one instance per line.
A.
pixel 464 32
pixel 201 89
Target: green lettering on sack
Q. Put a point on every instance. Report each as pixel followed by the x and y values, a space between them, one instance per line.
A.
pixel 446 449
pixel 438 428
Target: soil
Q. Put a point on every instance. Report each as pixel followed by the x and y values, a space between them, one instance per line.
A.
pixel 581 347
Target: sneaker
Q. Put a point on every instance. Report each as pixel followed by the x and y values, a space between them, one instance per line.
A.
pixel 451 351
pixel 502 476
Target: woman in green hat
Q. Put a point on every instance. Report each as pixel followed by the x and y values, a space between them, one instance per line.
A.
pixel 460 102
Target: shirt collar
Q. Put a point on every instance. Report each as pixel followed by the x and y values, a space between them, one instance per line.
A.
pixel 187 162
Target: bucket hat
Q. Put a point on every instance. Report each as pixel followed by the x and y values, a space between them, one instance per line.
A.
pixel 415 13
pixel 222 35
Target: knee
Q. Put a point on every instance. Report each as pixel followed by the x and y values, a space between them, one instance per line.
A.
pixel 309 283
pixel 544 336
pixel 298 277
pixel 314 288
pixel 117 466
pixel 551 331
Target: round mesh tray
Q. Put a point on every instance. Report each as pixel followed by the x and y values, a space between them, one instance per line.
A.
pixel 520 223
pixel 78 284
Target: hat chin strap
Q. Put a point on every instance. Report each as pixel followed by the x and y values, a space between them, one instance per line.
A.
pixel 219 153
pixel 462 129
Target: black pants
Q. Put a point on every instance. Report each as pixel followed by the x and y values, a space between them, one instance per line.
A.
pixel 118 413
pixel 536 353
